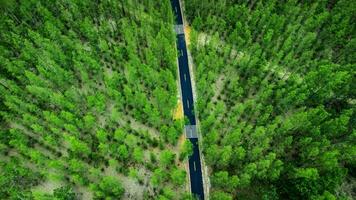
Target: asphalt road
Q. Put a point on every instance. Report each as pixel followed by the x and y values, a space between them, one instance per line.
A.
pixel 195 172
pixel 177 11
pixel 185 82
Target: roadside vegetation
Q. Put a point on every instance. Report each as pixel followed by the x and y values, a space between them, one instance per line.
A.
pixel 87 93
pixel 276 97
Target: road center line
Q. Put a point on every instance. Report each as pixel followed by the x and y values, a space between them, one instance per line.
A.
pixel 197 187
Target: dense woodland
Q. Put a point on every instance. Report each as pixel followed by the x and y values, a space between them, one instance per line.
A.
pixel 276 96
pixel 87 93
pixel 88 88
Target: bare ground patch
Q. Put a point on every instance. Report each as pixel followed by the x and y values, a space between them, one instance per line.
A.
pixel 218 87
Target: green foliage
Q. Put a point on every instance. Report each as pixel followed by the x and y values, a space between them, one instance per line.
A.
pixel 167 158
pixel 120 135
pixel 17 179
pixel 138 155
pixel 158 177
pixel 218 195
pixel 275 82
pixel 123 153
pixel 64 193
pixel 223 181
pixel 178 176
pixel 108 188
pixel 85 85
pixel 187 150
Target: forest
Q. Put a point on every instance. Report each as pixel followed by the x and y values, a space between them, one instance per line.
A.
pixel 88 90
pixel 276 97
pixel 87 93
